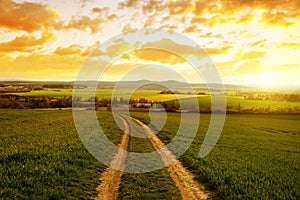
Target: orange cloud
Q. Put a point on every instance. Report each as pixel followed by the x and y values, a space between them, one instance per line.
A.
pixel 180 49
pixel 76 49
pixel 281 67
pixel 198 20
pixel 190 29
pixel 225 65
pixel 211 35
pixel 211 21
pixel 82 23
pixel 72 49
pixel 99 10
pixel 283 13
pixel 259 43
pixel 92 49
pixel 221 50
pixel 150 21
pixel 246 18
pixel 127 28
pixel 277 18
pixel 171 27
pixel 255 67
pixel 121 68
pixel 26 16
pixel 251 55
pixel 155 51
pixel 290 44
pixel 128 4
pixel 155 55
pixel 41 66
pixel 155 5
pixel 26 43
pixel 179 7
pixel 111 17
pixel 213 13
pixel 251 67
pixel 117 48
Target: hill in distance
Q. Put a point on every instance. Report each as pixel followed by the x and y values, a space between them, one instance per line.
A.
pixel 144 84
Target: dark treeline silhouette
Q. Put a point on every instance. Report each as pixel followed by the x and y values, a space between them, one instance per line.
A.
pixel 16 88
pixel 18 102
pixel 15 101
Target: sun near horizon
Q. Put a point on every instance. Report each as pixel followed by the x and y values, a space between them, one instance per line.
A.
pixel 251 42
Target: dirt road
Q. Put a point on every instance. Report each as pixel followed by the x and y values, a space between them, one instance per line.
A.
pixel 110 179
pixel 184 180
pixel 188 187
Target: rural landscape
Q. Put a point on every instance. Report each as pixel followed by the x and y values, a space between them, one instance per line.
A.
pixel 256 157
pixel 150 99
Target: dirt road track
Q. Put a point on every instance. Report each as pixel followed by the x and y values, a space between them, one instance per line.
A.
pixel 111 178
pixel 184 180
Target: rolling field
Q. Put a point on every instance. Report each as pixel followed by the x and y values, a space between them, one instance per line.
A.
pixel 42 157
pixel 153 95
pixel 86 93
pixel 256 157
pixel 234 101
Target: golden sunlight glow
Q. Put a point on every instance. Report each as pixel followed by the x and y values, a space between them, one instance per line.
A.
pixel 247 40
pixel 268 78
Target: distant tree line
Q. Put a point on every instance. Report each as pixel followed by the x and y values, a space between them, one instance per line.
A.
pixel 267 109
pixel 10 88
pixel 290 97
pixel 18 102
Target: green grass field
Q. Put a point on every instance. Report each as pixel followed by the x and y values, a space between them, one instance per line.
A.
pixel 234 101
pixel 42 157
pixel 256 157
pixel 86 93
pixel 153 95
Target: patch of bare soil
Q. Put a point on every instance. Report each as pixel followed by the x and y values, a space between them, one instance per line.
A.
pixel 110 179
pixel 189 188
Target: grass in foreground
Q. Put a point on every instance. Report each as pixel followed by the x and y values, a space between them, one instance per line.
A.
pixel 256 157
pixel 42 156
pixel 151 185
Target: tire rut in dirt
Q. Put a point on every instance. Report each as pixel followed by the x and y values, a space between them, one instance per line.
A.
pixel 110 179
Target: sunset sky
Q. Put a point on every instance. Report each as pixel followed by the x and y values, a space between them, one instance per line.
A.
pixel 251 42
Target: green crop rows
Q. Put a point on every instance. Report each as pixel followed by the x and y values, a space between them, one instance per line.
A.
pixel 256 157
pixel 42 156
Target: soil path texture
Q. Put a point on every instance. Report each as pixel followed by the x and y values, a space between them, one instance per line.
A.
pixel 110 179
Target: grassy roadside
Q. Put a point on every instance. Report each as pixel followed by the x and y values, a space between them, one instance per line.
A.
pixel 256 157
pixel 42 156
pixel 151 185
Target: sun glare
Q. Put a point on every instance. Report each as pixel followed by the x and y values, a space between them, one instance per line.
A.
pixel 56 37
pixel 268 79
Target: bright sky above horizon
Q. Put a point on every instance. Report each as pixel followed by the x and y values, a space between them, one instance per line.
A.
pixel 251 42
